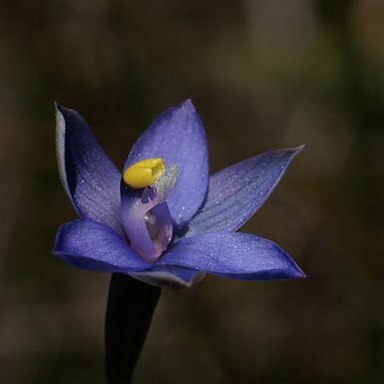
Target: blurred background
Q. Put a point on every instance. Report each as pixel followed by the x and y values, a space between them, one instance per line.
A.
pixel 263 75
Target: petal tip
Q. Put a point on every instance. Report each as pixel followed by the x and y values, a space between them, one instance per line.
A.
pixel 294 150
pixel 300 148
pixel 300 274
pixel 59 107
pixel 188 105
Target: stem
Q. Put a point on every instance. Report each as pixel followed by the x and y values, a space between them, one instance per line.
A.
pixel 130 308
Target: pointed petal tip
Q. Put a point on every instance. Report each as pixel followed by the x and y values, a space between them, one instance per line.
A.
pixel 62 111
pixel 59 107
pixel 293 270
pixel 299 274
pixel 291 151
pixel 67 112
pixel 300 148
pixel 188 105
pixel 295 150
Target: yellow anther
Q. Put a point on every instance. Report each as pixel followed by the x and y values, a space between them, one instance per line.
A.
pixel 144 173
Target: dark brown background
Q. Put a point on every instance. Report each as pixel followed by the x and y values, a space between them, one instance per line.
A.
pixel 263 75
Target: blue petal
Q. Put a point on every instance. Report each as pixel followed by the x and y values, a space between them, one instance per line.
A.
pixel 92 245
pixel 178 137
pixel 238 191
pixel 90 179
pixel 170 276
pixel 232 254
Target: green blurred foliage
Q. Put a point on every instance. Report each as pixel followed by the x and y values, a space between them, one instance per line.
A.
pixel 263 74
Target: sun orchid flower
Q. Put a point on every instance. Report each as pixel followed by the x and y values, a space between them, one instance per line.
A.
pixel 164 220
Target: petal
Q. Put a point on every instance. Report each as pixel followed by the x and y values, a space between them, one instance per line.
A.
pixel 238 191
pixel 92 245
pixel 178 137
pixel 90 179
pixel 232 254
pixel 170 276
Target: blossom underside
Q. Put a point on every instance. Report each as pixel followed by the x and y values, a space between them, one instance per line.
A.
pixel 166 225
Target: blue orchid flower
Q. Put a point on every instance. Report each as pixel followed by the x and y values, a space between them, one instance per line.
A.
pixel 164 220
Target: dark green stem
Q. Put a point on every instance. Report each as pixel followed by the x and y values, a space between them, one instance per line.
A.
pixel 130 308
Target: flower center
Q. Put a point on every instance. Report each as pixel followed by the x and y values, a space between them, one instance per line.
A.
pixel 144 211
pixel 144 173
